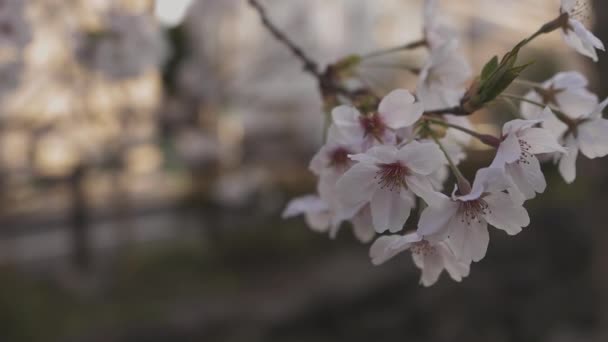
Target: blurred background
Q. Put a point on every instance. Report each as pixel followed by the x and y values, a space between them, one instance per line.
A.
pixel 147 149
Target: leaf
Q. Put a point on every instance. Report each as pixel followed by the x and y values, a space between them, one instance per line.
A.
pixel 489 68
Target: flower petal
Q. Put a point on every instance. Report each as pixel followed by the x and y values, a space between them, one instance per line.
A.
pixel 421 158
pixel 593 138
pixel 503 213
pixel 356 187
pixel 528 177
pixel 386 247
pixel 567 163
pixel 434 220
pixel 541 140
pixel 390 210
pixel 508 152
pixel 399 109
pixel 468 240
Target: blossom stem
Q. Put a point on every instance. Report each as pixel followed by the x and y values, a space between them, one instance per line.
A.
pixel 409 46
pixel 558 113
pixel 487 139
pixel 463 184
pixel 527 83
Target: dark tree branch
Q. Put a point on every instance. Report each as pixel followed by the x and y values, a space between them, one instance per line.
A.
pixel 309 65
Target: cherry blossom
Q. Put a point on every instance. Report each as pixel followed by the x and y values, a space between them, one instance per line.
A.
pixel 589 135
pixel 462 219
pixel 435 31
pixel 442 80
pixel 388 179
pixel 566 91
pixel 522 141
pixel 322 218
pixel 432 258
pixel 397 110
pixel 575 33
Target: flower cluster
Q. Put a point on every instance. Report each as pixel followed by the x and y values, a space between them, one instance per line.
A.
pixel 385 162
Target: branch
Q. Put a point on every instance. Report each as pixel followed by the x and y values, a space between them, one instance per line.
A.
pixel 309 65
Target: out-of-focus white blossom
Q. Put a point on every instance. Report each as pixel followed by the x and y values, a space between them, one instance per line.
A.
pixel 442 80
pixel 463 219
pixel 566 91
pixel 127 46
pixel 575 33
pixel 432 258
pixel 589 135
pixel 436 33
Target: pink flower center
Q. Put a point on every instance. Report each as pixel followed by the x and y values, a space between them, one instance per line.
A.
pixel 473 211
pixel 373 125
pixel 423 248
pixel 392 176
pixel 338 158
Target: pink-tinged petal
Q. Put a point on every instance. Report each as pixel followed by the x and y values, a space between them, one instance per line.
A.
pixel 587 36
pixel 434 220
pixel 356 187
pixel 431 266
pixel 517 125
pixel 593 138
pixel 567 163
pixel 503 213
pixel 568 80
pixel 304 204
pixel 468 240
pixel 398 109
pixel 421 186
pixel 576 103
pixel 320 161
pixel 508 152
pixel 530 111
pixel 386 247
pixel 319 222
pixel 528 177
pixel 456 269
pixel 421 158
pixel 541 140
pixel 363 226
pixel 390 210
pixel 487 179
pixel 347 123
pixel 581 40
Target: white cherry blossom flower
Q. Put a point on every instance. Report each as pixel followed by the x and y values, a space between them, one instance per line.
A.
pixel 575 33
pixel 463 219
pixel 521 142
pixel 435 31
pixel 332 158
pixel 430 257
pixel 387 178
pixel 566 91
pixel 322 218
pixel 317 213
pixel 442 80
pixel 397 110
pixel 589 135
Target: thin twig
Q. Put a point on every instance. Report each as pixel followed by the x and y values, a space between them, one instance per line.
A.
pixel 309 65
